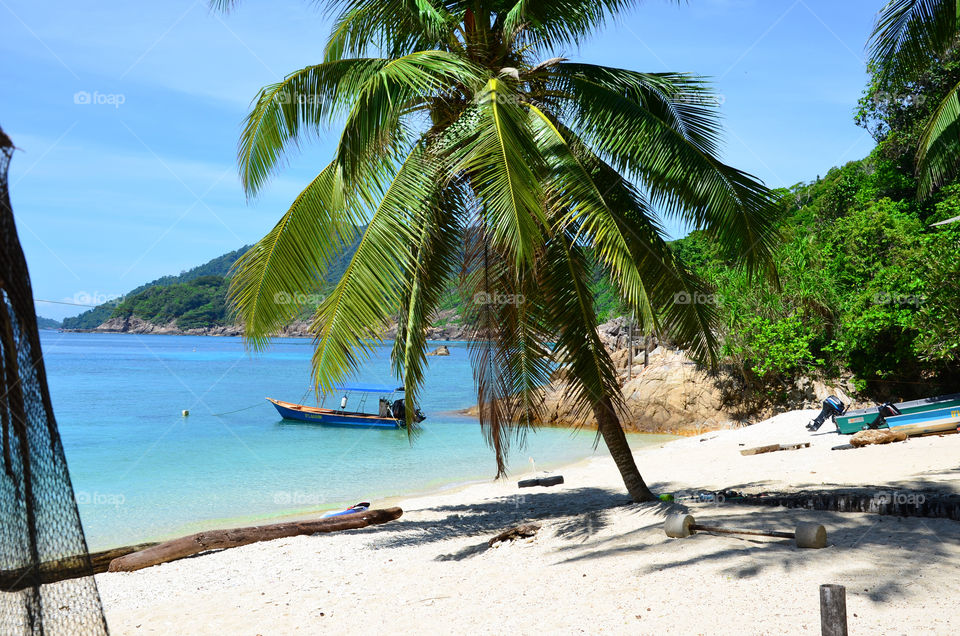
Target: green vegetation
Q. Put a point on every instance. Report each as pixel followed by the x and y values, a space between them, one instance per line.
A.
pixel 198 303
pixel 219 266
pixel 914 66
pixel 869 286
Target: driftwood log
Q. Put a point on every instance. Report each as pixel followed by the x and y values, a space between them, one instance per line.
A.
pixel 772 448
pixel 67 568
pixel 235 537
pixel 517 532
pixel 876 436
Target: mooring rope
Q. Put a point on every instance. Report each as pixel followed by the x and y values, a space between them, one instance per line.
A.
pixel 247 408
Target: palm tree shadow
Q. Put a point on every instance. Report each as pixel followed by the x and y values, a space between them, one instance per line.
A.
pixel 582 512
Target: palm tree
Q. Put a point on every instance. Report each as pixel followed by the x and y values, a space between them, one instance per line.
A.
pixel 470 155
pixel 908 37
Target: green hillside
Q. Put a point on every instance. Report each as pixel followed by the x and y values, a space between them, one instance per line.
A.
pixel 47 323
pixel 218 266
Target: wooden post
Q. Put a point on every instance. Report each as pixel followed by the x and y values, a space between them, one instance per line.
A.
pixel 646 352
pixel 630 344
pixel 833 610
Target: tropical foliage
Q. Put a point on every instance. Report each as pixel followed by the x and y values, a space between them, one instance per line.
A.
pixel 910 36
pixel 477 157
pixel 199 303
pixel 867 289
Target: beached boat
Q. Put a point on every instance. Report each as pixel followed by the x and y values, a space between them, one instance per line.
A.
pixel 391 410
pixel 861 419
pixel 934 421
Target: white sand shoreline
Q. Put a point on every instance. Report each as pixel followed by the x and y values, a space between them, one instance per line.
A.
pixel 599 564
pixel 439 488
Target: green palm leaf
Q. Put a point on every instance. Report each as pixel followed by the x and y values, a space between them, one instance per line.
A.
pixel 350 321
pixel 435 261
pixel 395 27
pixel 499 153
pixel 663 139
pixel 271 280
pixel 908 33
pixel 938 158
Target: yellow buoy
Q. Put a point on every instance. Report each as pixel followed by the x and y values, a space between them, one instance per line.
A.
pixel 185 412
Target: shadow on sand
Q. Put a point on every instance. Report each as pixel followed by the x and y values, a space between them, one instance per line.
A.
pixel 581 521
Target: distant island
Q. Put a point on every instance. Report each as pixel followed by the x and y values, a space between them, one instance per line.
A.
pixel 195 303
pixel 48 323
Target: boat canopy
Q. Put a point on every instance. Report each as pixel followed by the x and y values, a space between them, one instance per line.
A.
pixel 363 387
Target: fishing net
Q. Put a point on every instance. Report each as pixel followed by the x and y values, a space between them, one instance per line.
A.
pixel 46 578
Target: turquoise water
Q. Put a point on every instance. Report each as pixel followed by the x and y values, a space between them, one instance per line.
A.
pixel 141 471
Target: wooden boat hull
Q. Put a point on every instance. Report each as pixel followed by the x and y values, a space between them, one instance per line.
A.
pixel 859 419
pixel 935 421
pixel 330 417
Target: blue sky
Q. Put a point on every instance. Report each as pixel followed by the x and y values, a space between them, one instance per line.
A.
pixel 141 181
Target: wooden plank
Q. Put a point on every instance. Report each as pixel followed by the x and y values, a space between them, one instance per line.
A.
pixel 769 448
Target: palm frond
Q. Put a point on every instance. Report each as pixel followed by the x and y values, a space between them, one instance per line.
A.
pixel 553 24
pixel 350 321
pixel 682 304
pixel 909 33
pixel 667 146
pixel 373 95
pixel 393 27
pixel 435 261
pixel 609 214
pixel 371 132
pixel 271 280
pixel 510 361
pixel 938 157
pixel 302 103
pixel 578 350
pixel 499 153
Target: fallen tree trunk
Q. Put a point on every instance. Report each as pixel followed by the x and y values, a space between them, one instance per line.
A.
pixel 235 537
pixel 64 569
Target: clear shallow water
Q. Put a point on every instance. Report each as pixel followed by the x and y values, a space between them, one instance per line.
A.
pixel 142 472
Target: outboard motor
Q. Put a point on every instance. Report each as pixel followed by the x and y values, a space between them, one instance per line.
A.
pixel 832 407
pixel 887 409
pixel 399 412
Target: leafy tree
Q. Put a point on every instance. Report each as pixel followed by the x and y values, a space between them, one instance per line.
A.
pixel 477 155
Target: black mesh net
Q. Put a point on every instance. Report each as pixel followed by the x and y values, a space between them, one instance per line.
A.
pixel 46 576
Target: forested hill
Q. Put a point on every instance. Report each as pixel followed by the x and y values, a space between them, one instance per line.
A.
pixel 218 267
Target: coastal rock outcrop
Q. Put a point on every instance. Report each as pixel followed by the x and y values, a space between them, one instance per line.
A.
pixel 672 394
pixel 442 350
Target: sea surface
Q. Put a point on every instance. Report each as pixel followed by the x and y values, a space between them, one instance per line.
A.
pixel 141 471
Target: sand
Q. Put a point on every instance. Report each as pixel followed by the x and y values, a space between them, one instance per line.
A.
pixel 599 563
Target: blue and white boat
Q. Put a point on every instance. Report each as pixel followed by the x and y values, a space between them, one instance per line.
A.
pixel 390 413
pixel 933 421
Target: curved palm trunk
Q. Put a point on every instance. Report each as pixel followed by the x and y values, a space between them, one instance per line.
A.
pixel 616 440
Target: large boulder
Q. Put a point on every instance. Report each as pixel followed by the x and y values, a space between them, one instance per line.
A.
pixel 670 395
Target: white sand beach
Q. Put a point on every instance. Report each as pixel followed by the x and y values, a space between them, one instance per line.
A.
pixel 599 564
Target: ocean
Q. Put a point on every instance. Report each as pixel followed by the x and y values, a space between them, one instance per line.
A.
pixel 141 471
